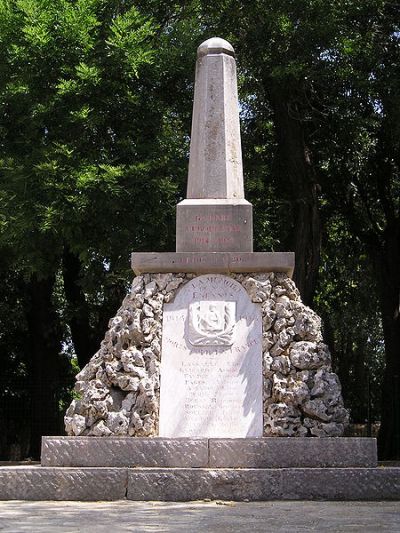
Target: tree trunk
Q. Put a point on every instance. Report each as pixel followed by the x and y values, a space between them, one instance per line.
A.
pixel 85 344
pixel 297 177
pixel 45 347
pixel 388 271
pixel 86 337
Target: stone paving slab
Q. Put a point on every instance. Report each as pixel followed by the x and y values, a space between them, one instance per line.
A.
pixel 210 517
pixel 296 452
pixel 124 451
pixel 264 484
pixel 41 483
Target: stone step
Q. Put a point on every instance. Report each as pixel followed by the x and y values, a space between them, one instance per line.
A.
pixel 186 484
pixel 268 452
pixel 48 483
pixel 264 484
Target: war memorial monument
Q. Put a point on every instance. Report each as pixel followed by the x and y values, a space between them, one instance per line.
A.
pixel 213 380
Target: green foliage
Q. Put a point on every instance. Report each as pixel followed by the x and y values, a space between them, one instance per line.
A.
pixel 73 147
pixel 347 299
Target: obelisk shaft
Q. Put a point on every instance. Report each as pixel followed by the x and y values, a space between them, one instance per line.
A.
pixel 215 165
pixel 215 217
pixel 214 227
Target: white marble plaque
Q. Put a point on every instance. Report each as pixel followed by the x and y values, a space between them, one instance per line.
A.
pixel 211 364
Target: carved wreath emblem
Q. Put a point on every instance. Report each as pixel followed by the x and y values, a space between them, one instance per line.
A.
pixel 212 323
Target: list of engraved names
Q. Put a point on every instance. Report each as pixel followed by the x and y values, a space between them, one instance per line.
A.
pixel 211 362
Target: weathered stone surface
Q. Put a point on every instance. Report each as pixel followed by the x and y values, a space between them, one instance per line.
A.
pixel 211 364
pixel 181 484
pixel 292 453
pixel 124 451
pixel 215 217
pixel 265 484
pixel 214 262
pixel 190 484
pixel 41 483
pixel 119 387
pixel 214 226
pixel 215 163
pixel 341 484
pixel 212 453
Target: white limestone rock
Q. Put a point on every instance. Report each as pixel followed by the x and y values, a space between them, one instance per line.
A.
pixel 150 289
pixel 258 289
pixel 316 409
pixel 77 424
pixel 281 365
pixel 282 420
pixel 307 325
pixel 267 341
pixel 327 387
pixel 99 429
pixel 321 429
pixel 117 423
pixel 136 287
pixel 306 355
pixel 162 280
pixel 288 390
pixel 119 387
pixel 174 284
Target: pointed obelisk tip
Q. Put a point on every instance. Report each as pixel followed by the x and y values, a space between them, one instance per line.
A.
pixel 215 45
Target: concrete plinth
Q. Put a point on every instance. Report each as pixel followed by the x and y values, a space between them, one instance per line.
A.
pixel 186 484
pixel 208 225
pixel 255 453
pixel 265 484
pixel 212 262
pixel 114 468
pixel 81 484
pixel 124 451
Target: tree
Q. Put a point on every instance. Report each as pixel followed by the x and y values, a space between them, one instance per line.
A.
pixel 363 171
pixel 84 157
pixel 346 299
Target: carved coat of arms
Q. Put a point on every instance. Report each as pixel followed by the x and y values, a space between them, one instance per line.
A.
pixel 211 323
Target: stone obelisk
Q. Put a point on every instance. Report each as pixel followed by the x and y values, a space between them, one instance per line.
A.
pixel 214 224
pixel 211 350
pixel 213 340
pixel 215 216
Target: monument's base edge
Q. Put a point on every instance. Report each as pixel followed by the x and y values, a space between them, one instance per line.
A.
pixel 266 452
pixel 264 484
pixel 212 262
pixel 187 484
pixel 58 483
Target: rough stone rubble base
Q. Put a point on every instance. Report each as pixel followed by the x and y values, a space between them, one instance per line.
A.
pixel 120 385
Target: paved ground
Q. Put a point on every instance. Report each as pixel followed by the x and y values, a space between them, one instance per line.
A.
pixel 159 517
